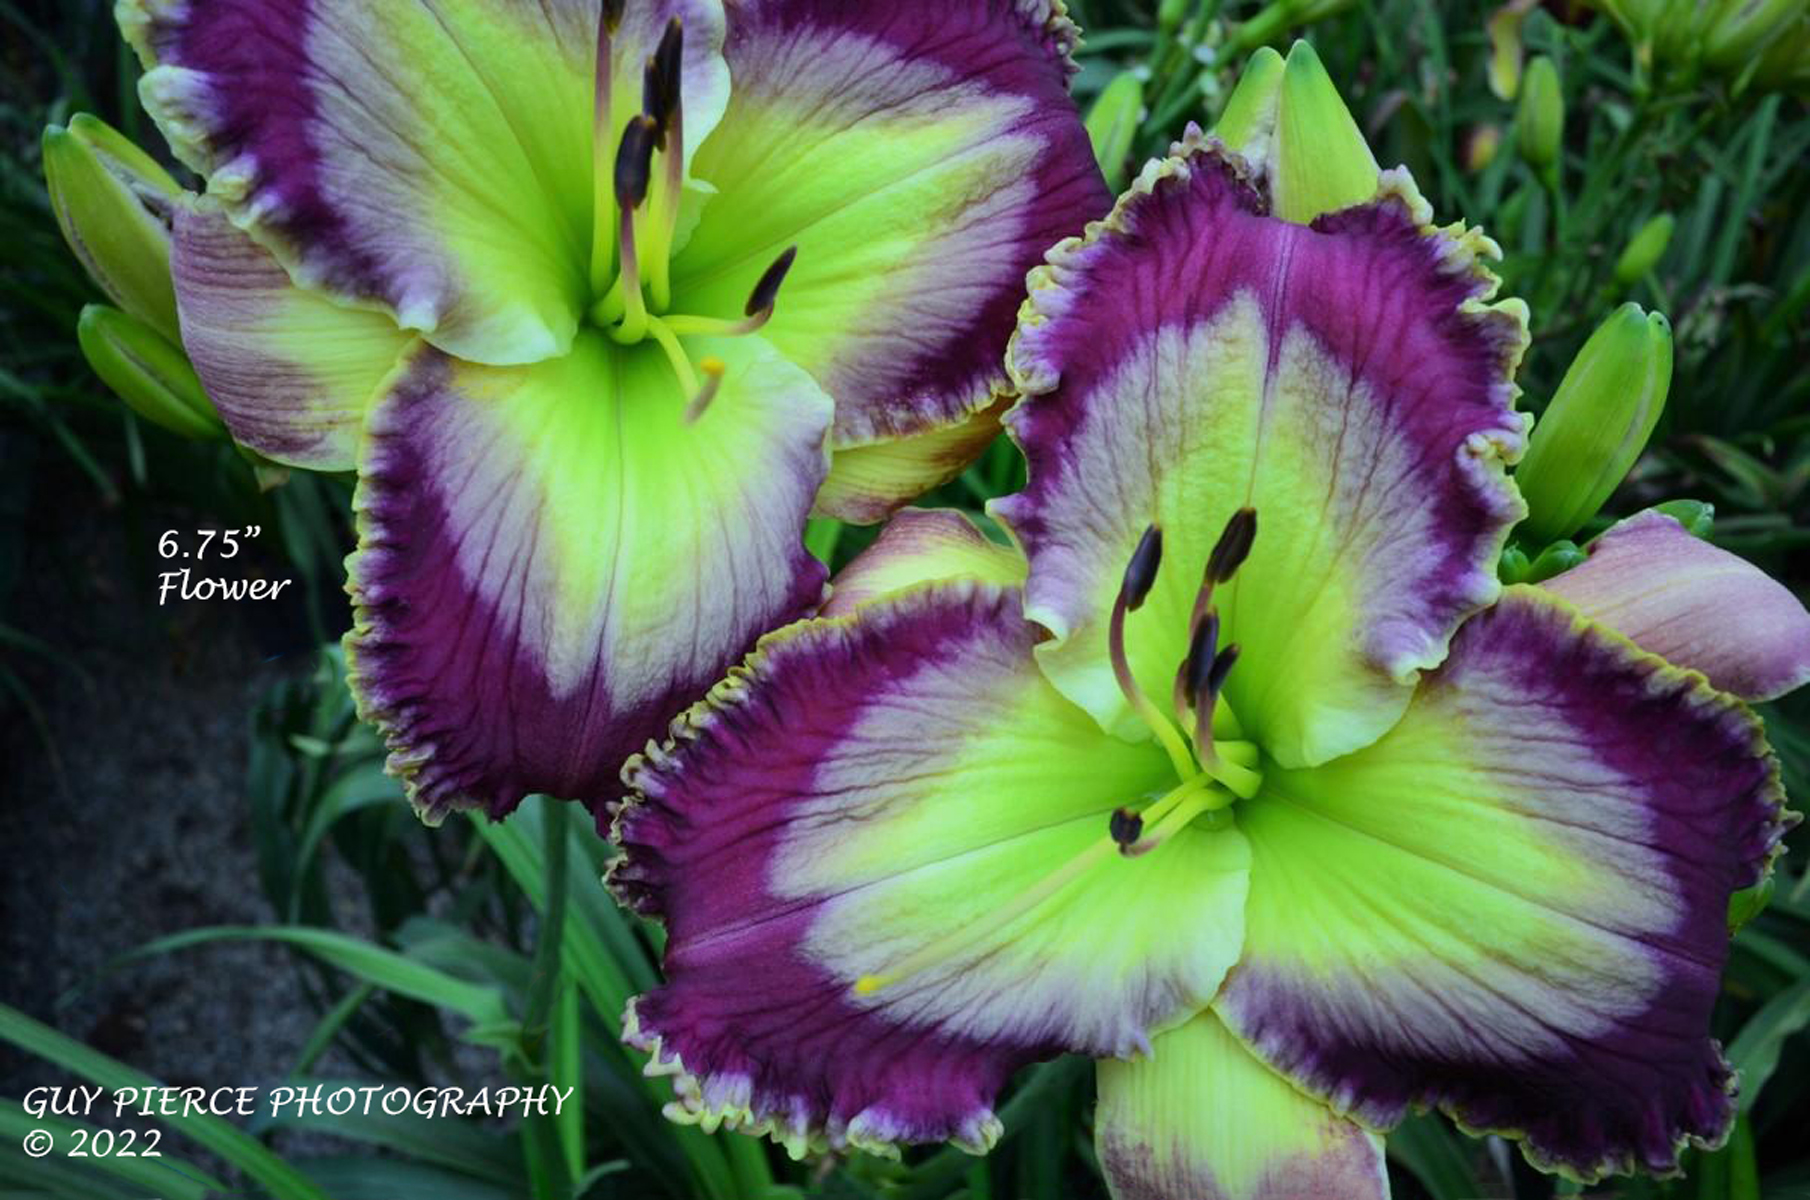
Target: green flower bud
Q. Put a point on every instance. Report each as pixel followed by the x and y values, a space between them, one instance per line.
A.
pixel 1637 18
pixel 1112 123
pixel 1287 119
pixel 1274 19
pixel 1597 424
pixel 1514 565
pixel 113 204
pixel 1645 250
pixel 1742 28
pixel 1697 516
pixel 1506 53
pixel 1540 122
pixel 1748 903
pixel 1169 14
pixel 1481 147
pixel 150 374
pixel 1556 559
pixel 1785 64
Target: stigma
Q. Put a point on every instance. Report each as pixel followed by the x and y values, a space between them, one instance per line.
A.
pixel 638 189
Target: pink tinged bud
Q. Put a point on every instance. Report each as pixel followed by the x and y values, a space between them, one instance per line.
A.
pixel 1693 604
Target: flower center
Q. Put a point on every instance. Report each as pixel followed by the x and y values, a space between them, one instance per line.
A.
pixel 636 206
pixel 1216 765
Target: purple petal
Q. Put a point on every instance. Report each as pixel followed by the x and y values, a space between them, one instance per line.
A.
pixel 839 842
pixel 922 157
pixel 1695 605
pixel 1194 354
pixel 1514 905
pixel 291 372
pixel 552 564
pixel 428 158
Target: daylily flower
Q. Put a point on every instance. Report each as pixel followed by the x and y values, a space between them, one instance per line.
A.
pixel 1239 772
pixel 599 299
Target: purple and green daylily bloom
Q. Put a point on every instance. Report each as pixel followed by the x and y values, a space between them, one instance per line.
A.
pixel 601 300
pixel 1240 772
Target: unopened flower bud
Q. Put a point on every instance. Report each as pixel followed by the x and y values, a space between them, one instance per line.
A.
pixel 1645 250
pixel 1286 118
pixel 1743 28
pixel 1169 14
pixel 1513 565
pixel 1506 52
pixel 1697 516
pixel 1481 147
pixel 1597 423
pixel 1785 63
pixel 1112 123
pixel 1555 559
pixel 113 203
pixel 1540 121
pixel 148 372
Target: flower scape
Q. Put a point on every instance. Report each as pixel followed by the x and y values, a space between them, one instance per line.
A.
pixel 1231 755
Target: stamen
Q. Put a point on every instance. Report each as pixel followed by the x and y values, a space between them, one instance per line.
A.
pixel 713 381
pixel 653 101
pixel 1140 576
pixel 1196 686
pixel 675 354
pixel 665 70
pixel 766 288
pixel 634 162
pixel 1125 827
pixel 1233 547
pixel 1180 817
pixel 1140 572
pixel 603 243
pixel 1223 561
pixel 759 308
pixel 634 159
pixel 1193 673
pixel 1206 693
pixel 661 96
